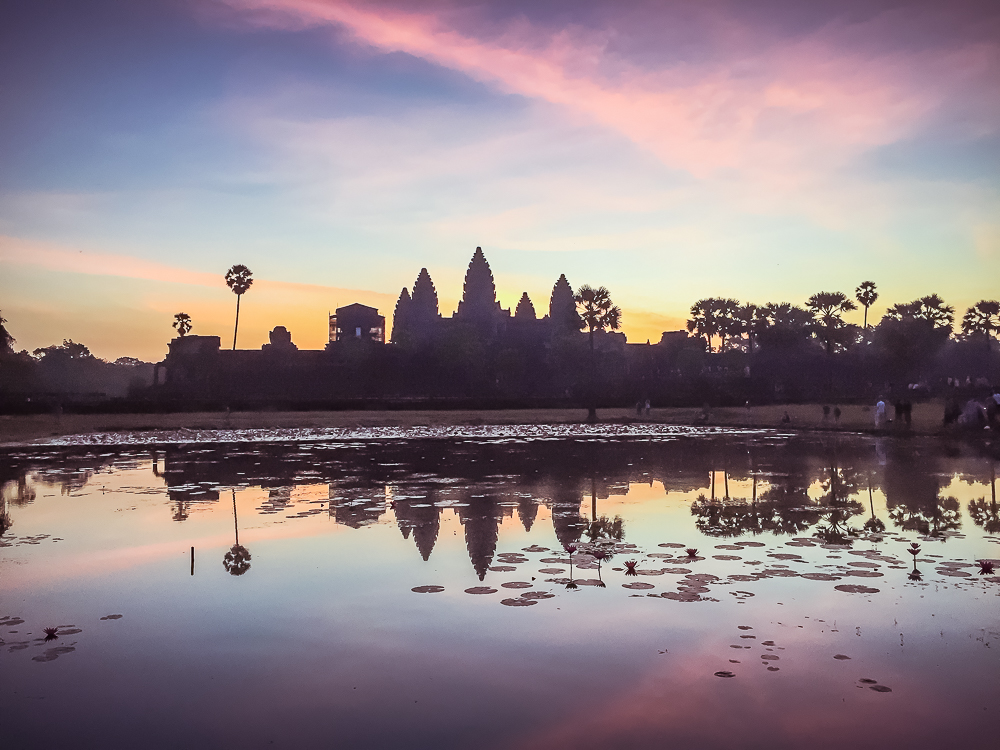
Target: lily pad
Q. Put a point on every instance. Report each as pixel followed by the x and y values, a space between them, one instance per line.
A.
pixel 851 588
pixel 519 602
pixel 51 654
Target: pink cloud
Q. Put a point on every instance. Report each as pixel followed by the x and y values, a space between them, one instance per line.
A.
pixel 684 705
pixel 777 110
pixel 52 257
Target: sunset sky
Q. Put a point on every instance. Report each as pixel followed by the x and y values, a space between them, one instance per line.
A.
pixel 667 150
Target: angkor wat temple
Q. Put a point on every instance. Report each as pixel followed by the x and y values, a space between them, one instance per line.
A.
pixel 482 354
pixel 418 322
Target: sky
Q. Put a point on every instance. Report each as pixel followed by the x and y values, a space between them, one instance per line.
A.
pixel 667 150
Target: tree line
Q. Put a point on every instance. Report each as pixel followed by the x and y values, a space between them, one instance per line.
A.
pixel 746 325
pixel 730 352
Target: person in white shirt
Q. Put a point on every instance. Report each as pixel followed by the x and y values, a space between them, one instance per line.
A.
pixel 880 414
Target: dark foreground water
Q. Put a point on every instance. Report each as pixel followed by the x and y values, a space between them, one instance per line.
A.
pixel 393 593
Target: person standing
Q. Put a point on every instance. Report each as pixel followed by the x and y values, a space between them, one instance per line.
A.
pixel 880 414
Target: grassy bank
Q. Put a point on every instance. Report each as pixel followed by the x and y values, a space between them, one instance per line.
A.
pixel 927 419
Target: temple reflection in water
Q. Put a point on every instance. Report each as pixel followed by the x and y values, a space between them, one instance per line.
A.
pixel 819 486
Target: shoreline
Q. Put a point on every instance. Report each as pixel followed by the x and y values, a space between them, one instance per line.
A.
pixel 40 430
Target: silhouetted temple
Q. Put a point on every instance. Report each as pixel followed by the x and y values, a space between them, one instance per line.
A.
pixel 418 322
pixel 482 351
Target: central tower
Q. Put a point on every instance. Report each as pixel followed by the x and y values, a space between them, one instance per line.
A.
pixel 479 297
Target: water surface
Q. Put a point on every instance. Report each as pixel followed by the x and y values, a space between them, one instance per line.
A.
pixel 415 590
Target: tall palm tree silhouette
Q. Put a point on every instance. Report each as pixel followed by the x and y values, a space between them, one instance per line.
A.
pixel 238 279
pixel 237 560
pixel 752 320
pixel 866 295
pixel 706 319
pixel 182 322
pixel 730 321
pixel 597 312
pixel 874 524
pixel 987 514
pixel 827 309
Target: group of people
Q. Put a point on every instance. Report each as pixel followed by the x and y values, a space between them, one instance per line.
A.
pixel 974 414
pixel 903 413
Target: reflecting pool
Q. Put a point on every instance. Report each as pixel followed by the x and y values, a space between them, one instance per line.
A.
pixel 501 589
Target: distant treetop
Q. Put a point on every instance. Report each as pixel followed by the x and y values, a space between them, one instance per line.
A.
pixel 129 362
pixel 239 278
pixel 182 322
pixel 982 319
pixel 69 349
pixel 930 309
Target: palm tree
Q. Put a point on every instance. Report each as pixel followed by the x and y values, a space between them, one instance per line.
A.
pixel 935 311
pixel 598 313
pixel 706 319
pixel 930 309
pixel 730 321
pixel 182 322
pixel 982 319
pixel 827 309
pixel 866 295
pixel 238 279
pixel 753 320
pixel 785 315
pixel 237 560
pixel 987 515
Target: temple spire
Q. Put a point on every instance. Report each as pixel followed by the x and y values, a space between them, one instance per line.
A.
pixel 525 310
pixel 562 308
pixel 479 298
pixel 401 317
pixel 424 302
